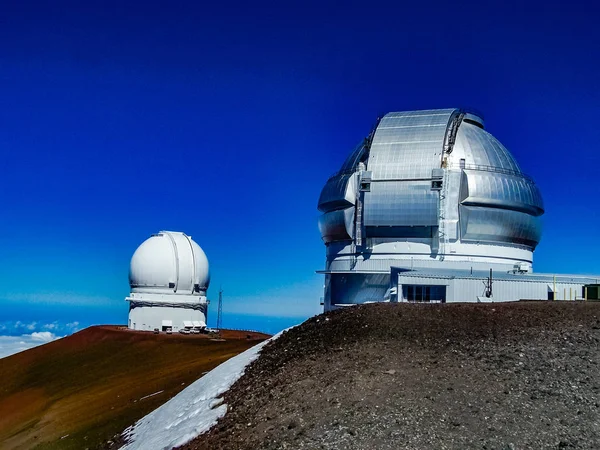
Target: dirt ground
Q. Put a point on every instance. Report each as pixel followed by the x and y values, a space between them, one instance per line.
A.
pixel 79 391
pixel 498 376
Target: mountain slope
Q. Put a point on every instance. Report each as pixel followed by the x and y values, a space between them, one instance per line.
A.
pixel 401 376
pixel 81 390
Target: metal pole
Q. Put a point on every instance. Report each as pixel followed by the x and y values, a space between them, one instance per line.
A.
pixel 220 312
pixel 554 293
pixel 585 293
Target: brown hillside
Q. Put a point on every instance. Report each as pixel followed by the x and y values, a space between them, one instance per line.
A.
pixel 407 376
pixel 79 391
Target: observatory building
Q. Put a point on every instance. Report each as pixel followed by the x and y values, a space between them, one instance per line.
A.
pixel 169 277
pixel 431 207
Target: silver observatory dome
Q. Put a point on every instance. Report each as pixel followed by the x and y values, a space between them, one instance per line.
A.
pixel 426 189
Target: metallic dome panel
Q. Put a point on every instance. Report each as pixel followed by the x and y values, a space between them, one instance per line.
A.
pixel 478 147
pixel 401 204
pixel 336 225
pixel 338 193
pixel 480 224
pixel 408 145
pixel 498 190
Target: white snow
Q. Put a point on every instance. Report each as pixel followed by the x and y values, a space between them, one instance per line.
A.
pixel 194 410
pixel 152 395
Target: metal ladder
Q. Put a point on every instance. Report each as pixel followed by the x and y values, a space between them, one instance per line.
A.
pixel 449 140
pixel 442 233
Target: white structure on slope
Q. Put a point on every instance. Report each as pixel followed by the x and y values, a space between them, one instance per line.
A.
pixel 169 277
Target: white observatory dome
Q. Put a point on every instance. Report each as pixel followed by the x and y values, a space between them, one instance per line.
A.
pixel 169 262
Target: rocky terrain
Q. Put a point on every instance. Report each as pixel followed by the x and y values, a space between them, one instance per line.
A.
pixel 423 376
pixel 79 391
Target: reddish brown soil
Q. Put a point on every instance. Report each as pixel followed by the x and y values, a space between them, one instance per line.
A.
pixel 400 376
pixel 89 386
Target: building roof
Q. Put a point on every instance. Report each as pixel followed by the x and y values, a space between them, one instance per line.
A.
pixel 502 276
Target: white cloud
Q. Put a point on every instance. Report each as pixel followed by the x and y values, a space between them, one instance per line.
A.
pixel 42 336
pixel 10 345
pixel 18 327
pixel 18 324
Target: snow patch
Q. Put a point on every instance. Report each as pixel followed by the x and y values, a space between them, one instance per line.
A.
pixel 193 411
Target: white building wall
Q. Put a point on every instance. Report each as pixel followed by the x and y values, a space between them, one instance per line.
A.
pixel 473 289
pixel 147 318
pixel 568 291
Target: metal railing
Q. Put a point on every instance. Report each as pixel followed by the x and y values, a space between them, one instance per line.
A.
pixel 478 167
pixel 492 169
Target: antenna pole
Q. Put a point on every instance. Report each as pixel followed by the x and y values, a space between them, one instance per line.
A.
pixel 220 313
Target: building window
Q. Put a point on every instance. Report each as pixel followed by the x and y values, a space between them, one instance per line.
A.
pixel 424 293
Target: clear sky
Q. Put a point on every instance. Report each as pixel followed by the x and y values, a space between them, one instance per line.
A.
pixel 224 120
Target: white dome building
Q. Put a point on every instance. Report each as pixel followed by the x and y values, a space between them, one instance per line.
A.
pixel 169 278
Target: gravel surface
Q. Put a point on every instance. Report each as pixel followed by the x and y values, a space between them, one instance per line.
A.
pixel 407 376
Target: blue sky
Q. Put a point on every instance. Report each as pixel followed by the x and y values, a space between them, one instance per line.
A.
pixel 119 119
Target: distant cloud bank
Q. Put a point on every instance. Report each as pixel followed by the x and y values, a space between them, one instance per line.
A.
pixel 9 345
pixel 17 336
